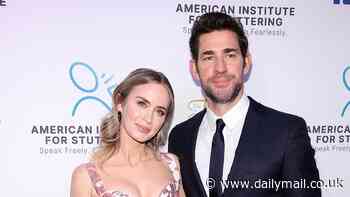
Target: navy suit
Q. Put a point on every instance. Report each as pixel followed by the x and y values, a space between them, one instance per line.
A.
pixel 273 145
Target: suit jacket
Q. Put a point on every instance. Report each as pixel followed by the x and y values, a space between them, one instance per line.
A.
pixel 273 146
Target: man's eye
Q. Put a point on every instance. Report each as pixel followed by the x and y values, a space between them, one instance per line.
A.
pixel 208 58
pixel 231 55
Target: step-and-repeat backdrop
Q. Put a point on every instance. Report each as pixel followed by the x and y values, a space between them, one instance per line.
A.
pixel 60 61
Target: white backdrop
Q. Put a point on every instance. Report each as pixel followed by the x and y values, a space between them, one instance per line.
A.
pixel 61 59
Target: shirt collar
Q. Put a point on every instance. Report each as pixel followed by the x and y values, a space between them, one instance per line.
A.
pixel 231 117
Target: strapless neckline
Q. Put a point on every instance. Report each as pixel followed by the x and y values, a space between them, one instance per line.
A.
pixel 170 190
pixel 171 186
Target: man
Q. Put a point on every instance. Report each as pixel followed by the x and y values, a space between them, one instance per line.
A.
pixel 236 138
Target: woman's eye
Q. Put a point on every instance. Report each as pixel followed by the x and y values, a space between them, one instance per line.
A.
pixel 161 112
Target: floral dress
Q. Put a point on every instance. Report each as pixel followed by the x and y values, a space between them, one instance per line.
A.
pixel 170 190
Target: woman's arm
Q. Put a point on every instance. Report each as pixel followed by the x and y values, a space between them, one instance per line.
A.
pixel 80 183
pixel 181 189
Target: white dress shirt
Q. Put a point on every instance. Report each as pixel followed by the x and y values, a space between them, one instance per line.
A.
pixel 234 120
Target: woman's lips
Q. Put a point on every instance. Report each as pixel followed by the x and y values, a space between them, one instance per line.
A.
pixel 143 129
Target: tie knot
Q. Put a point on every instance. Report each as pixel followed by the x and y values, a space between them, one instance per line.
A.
pixel 220 125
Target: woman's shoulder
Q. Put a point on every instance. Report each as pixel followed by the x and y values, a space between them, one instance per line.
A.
pixel 173 164
pixel 80 182
pixel 169 156
pixel 81 171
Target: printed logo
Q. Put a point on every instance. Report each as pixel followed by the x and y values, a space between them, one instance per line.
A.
pixel 73 137
pixel 347 87
pixel 258 20
pixel 195 106
pixel 332 136
pixel 77 82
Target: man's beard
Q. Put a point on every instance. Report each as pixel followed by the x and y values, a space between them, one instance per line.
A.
pixel 229 96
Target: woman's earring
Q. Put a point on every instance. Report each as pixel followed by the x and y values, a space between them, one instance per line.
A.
pixel 119 116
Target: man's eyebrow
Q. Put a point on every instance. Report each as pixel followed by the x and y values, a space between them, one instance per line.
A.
pixel 229 50
pixel 207 52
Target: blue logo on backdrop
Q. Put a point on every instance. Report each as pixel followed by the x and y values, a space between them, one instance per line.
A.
pixel 347 86
pixel 345 2
pixel 93 75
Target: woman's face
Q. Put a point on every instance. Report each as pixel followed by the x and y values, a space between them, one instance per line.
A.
pixel 143 111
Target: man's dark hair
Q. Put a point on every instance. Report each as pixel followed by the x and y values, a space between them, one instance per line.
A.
pixel 216 21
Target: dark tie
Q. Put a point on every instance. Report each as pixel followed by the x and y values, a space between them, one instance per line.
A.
pixel 217 159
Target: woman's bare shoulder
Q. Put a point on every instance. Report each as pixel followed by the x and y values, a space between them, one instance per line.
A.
pixel 80 181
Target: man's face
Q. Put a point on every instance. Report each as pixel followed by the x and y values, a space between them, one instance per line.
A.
pixel 220 67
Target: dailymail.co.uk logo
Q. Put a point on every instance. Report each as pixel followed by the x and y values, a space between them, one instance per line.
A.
pixel 89 92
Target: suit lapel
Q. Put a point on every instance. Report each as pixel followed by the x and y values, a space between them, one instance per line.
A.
pixel 249 137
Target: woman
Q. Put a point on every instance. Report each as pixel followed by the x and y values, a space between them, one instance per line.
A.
pixel 128 162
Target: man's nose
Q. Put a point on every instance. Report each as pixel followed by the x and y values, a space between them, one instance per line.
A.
pixel 221 65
